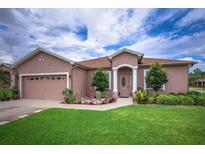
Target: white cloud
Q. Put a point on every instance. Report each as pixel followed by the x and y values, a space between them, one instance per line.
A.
pixel 5 57
pixel 165 47
pixel 54 30
pixel 191 17
pixel 190 59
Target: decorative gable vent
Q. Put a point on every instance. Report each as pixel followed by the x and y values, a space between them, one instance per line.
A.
pixel 41 59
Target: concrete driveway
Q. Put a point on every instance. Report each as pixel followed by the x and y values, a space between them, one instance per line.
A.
pixel 12 110
pixel 15 109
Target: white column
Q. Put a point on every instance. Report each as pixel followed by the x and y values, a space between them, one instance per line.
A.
pixel 134 79
pixel 115 80
pixel 68 79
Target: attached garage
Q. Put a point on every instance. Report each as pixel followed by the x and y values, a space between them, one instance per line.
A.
pixel 43 86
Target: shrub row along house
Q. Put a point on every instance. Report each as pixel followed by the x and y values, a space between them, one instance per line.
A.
pixel 44 75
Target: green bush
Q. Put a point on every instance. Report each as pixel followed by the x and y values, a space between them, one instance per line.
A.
pixel 180 93
pixel 140 97
pixel 193 93
pixel 185 100
pixel 1 94
pixel 151 100
pixel 166 99
pixel 6 94
pixel 199 98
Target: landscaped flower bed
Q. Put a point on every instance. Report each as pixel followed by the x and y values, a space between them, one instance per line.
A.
pixel 101 98
pixel 94 101
pixel 190 98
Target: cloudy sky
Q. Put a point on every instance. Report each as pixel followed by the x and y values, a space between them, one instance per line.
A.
pixel 80 34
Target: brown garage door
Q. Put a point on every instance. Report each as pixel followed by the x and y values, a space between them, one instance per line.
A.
pixel 43 87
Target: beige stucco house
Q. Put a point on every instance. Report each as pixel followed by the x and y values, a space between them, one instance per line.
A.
pixel 44 75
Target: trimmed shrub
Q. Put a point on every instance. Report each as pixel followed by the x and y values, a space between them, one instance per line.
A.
pixel 180 93
pixel 166 99
pixel 171 93
pixel 185 100
pixel 199 99
pixel 193 93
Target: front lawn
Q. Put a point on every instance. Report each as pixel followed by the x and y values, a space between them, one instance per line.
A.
pixel 199 89
pixel 135 124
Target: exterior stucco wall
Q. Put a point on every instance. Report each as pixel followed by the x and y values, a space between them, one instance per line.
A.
pixel 50 64
pixel 125 58
pixel 90 89
pixel 177 78
pixel 79 82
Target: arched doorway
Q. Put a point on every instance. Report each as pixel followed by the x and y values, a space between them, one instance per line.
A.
pixel 120 81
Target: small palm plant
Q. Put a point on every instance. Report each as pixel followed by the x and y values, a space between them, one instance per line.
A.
pixel 68 96
pixel 140 97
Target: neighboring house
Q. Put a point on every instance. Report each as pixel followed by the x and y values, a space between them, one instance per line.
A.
pixel 200 83
pixel 43 74
pixel 8 69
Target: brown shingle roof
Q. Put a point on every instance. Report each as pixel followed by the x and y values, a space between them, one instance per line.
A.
pixel 159 60
pixel 97 63
pixel 105 63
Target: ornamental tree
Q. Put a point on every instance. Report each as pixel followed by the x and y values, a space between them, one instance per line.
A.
pixel 156 77
pixel 100 80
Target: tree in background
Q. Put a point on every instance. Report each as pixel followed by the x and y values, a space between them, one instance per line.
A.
pixel 156 76
pixel 195 75
pixel 100 80
pixel 4 79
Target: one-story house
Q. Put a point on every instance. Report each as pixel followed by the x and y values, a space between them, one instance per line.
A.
pixel 200 83
pixel 44 75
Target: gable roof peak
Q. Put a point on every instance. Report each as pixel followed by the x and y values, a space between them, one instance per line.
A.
pixel 139 54
pixel 36 51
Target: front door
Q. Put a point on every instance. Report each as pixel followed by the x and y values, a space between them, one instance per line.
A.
pixel 124 85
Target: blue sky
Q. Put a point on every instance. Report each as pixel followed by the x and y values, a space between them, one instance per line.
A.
pixel 80 34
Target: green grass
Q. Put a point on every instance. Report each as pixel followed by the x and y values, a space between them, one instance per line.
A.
pixel 199 89
pixel 135 124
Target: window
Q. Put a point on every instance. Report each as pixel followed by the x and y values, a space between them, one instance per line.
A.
pixel 147 86
pixel 123 81
pixel 108 73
